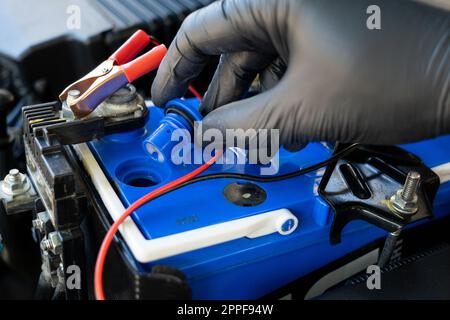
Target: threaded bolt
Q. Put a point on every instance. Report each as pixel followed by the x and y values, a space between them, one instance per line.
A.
pixel 14 175
pixel 38 224
pixel 410 187
pixel 405 200
pixel 74 93
pixel 46 245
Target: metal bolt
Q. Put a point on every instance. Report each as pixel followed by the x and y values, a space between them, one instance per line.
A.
pixel 45 245
pixel 53 243
pixel 38 224
pixel 15 183
pixel 410 187
pixel 74 93
pixel 14 175
pixel 404 201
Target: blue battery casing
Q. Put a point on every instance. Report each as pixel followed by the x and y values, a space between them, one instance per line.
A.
pixel 243 268
pixel 160 143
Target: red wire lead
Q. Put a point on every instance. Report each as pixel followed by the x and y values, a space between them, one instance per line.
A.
pixel 100 263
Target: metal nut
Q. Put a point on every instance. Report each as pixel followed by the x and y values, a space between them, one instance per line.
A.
pixel 14 183
pixel 45 244
pixel 38 224
pixel 403 206
pixel 42 223
pixel 53 243
pixel 404 201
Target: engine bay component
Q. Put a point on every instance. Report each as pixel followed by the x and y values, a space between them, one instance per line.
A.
pixel 122 104
pixel 405 200
pixel 17 192
pixel 6 101
pixel 110 117
pixel 105 25
pixel 85 94
pixel 110 180
pixel 365 185
pixel 62 203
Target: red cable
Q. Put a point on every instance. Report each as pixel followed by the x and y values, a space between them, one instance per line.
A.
pixel 191 89
pixel 100 263
pixel 195 93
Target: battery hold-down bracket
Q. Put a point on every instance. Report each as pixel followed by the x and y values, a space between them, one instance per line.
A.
pixel 360 186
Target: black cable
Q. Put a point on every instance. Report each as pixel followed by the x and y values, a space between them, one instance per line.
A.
pixel 338 155
pixel 335 157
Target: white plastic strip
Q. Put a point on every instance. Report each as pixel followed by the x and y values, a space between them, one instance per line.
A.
pixel 144 250
pixel 443 171
pixel 342 273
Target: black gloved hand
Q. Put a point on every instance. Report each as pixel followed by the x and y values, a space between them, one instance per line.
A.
pixel 340 81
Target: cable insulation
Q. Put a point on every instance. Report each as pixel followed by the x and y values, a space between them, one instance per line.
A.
pixel 338 155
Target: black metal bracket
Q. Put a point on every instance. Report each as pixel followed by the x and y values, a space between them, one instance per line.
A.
pixel 359 186
pixel 67 132
pixel 78 131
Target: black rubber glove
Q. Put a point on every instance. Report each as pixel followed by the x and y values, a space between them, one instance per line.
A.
pixel 324 74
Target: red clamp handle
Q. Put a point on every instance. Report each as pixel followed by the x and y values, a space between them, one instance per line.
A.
pixel 130 49
pixel 145 63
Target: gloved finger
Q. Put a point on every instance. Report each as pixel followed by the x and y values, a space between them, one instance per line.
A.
pixel 271 74
pixel 234 118
pixel 222 27
pixel 248 123
pixel 234 75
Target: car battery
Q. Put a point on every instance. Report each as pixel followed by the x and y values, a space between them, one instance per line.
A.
pixel 233 238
